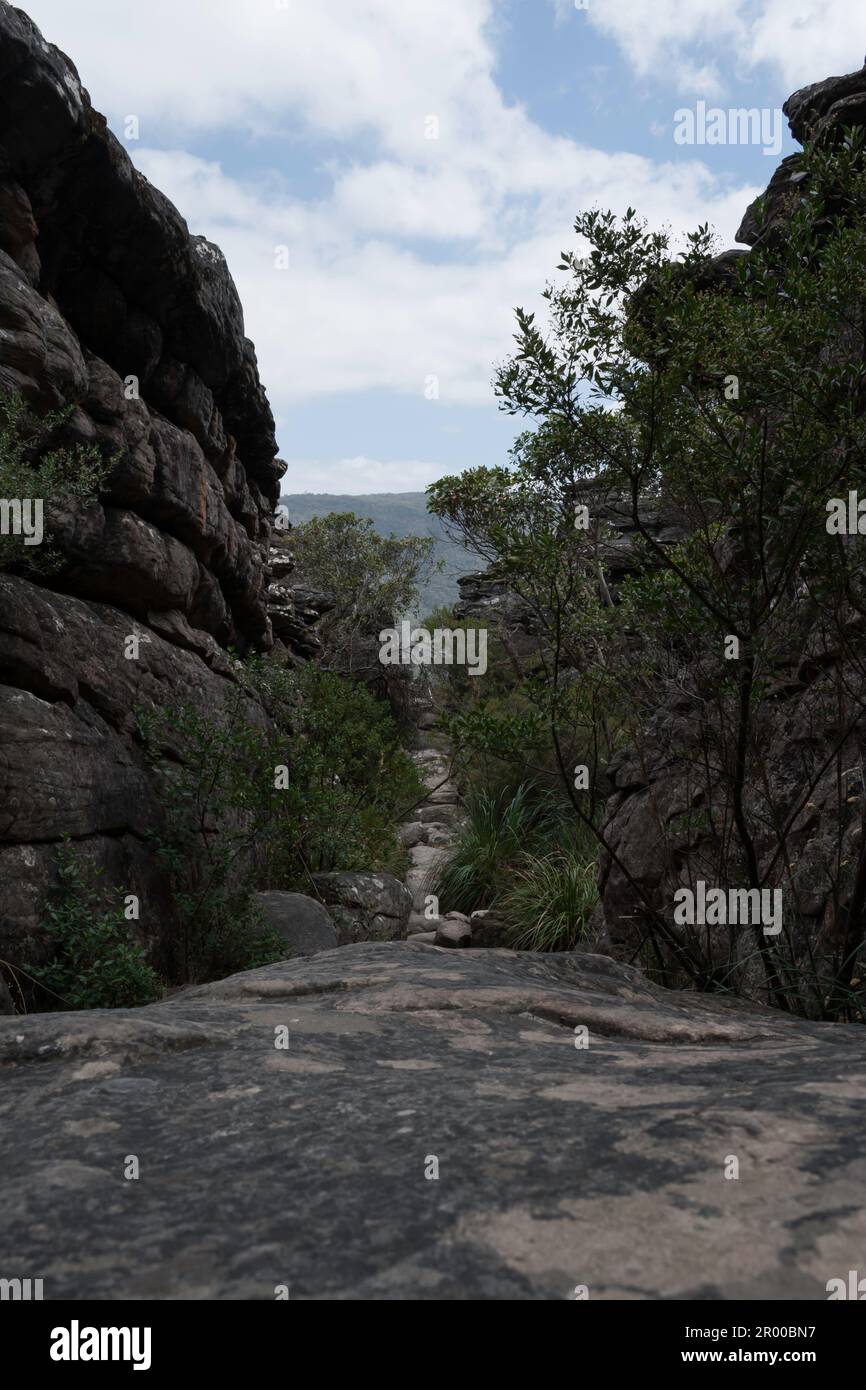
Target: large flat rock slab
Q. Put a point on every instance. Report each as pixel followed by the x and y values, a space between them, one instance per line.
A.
pixel 311 1166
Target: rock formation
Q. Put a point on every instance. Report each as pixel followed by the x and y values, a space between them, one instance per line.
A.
pixel 295 609
pixel 646 815
pixel 110 308
pixel 486 597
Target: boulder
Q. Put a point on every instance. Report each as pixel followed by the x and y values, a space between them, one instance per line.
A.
pixel 365 907
pixel 412 833
pixel 419 924
pixel 488 928
pixel 453 930
pixel 302 923
pixel 439 836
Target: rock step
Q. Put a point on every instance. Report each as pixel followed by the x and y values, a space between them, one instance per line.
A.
pixel 417 832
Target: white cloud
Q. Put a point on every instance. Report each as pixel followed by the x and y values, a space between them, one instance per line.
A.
pixel 357 311
pixel 802 41
pixel 354 476
pixel 808 40
pixel 340 66
pixel 410 259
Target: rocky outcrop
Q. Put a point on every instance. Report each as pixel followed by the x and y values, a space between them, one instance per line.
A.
pixel 112 310
pixel 398 1121
pixel 820 112
pixel 658 826
pixel 825 108
pixel 295 609
pixel 769 215
pixel 485 596
pixel 364 906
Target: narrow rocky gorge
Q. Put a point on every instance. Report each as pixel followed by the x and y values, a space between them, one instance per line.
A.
pixel 392 1112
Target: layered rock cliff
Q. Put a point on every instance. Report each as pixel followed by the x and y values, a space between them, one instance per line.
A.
pixel 816 737
pixel 111 309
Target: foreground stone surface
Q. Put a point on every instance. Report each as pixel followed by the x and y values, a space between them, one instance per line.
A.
pixel 557 1166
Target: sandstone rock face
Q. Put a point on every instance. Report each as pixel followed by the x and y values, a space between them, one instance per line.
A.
pixel 365 907
pixel 769 214
pixel 837 101
pixel 109 307
pixel 821 112
pixel 69 759
pixel 557 1165
pixel 302 923
pixel 295 609
pixel 654 795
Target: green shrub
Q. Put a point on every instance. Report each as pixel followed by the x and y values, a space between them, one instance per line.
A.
pixel 257 802
pixel 97 964
pixel 30 469
pixel 550 900
pixel 499 829
pixel 371 577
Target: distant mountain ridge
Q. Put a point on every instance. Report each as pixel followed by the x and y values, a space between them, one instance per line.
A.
pixel 398 514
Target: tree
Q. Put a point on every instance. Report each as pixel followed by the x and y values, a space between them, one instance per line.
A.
pixel 731 391
pixel 373 579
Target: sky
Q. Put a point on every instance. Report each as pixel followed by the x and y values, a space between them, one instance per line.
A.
pixel 388 179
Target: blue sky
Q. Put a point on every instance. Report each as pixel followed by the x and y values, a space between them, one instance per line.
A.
pixel 306 125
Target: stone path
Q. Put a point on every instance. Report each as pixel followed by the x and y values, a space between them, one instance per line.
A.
pixel 429 834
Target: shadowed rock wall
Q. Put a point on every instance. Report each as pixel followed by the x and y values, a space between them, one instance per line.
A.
pixel 110 307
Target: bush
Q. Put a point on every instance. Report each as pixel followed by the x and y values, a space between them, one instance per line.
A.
pixel 549 902
pixel 301 771
pixel 372 578
pixel 499 830
pixel 29 469
pixel 97 964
